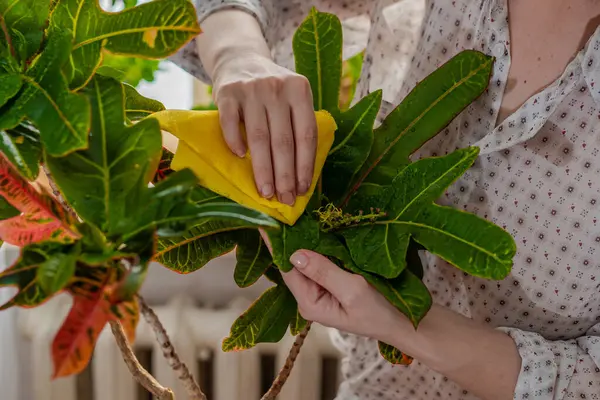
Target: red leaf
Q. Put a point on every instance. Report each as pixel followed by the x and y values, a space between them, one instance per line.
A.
pixel 74 343
pixel 41 218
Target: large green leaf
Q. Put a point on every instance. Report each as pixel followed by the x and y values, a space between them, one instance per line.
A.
pixel 288 239
pixel 353 141
pixel 266 321
pixel 22 148
pixel 430 106
pixel 205 241
pixel 253 258
pixel 106 182
pixel 381 247
pixel 317 48
pixel 24 22
pixel 152 30
pixel 467 241
pixel 62 117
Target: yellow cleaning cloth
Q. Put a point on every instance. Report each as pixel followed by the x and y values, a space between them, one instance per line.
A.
pixel 203 150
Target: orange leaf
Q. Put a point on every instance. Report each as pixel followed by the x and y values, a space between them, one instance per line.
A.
pixel 74 343
pixel 41 218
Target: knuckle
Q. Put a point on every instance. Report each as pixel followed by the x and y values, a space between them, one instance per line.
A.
pixel 259 135
pixel 309 136
pixel 300 86
pixel 284 142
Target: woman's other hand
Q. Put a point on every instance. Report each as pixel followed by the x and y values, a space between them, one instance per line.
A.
pixel 333 297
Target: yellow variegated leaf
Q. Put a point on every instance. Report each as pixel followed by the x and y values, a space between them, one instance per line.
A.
pixel 203 149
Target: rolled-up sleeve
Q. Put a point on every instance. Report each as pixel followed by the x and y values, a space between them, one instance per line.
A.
pixel 188 58
pixel 278 20
pixel 558 369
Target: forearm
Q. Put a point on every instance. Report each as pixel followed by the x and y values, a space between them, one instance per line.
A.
pixel 480 359
pixel 229 33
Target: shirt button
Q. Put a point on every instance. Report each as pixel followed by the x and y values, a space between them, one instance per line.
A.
pixel 498 50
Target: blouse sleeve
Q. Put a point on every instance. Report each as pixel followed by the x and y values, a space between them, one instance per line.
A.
pixel 558 370
pixel 278 20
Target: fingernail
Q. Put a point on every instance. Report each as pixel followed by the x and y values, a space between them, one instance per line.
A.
pixel 303 187
pixel 267 190
pixel 287 198
pixel 299 260
pixel 241 153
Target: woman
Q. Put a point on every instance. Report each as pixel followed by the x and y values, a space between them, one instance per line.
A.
pixel 534 335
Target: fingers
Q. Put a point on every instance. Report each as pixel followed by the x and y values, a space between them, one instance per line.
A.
pixel 259 142
pixel 229 116
pixel 282 150
pixel 341 284
pixel 305 134
pixel 276 107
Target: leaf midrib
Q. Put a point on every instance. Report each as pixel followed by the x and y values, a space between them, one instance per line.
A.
pixel 445 233
pixel 197 237
pixel 260 244
pixel 54 105
pixel 133 30
pixel 354 128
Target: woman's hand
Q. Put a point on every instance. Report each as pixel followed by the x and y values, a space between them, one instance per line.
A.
pixel 276 107
pixel 333 297
pixel 274 104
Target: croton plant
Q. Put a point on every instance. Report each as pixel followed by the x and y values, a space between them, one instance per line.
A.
pixel 115 205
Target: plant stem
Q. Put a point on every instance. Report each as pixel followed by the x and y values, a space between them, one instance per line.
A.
pixel 142 376
pixel 184 375
pixel 285 372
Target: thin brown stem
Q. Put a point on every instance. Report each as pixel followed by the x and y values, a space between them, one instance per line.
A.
pixel 184 375
pixel 285 372
pixel 142 376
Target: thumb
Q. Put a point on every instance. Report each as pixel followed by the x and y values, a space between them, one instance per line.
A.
pixel 323 272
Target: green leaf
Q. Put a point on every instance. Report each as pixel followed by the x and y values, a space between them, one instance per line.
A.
pixel 289 239
pixel 430 106
pixel 62 117
pixel 138 106
pixel 143 246
pixel 54 273
pixel 106 182
pixel 406 292
pixel 266 321
pixel 9 86
pixel 253 258
pixel 24 21
pixel 317 48
pixel 381 247
pixel 212 237
pixel 353 141
pixel 22 148
pixel 274 275
pixel 297 324
pixel 153 30
pixel 202 243
pixel 472 244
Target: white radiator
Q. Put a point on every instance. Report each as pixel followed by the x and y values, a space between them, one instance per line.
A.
pixel 196 333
